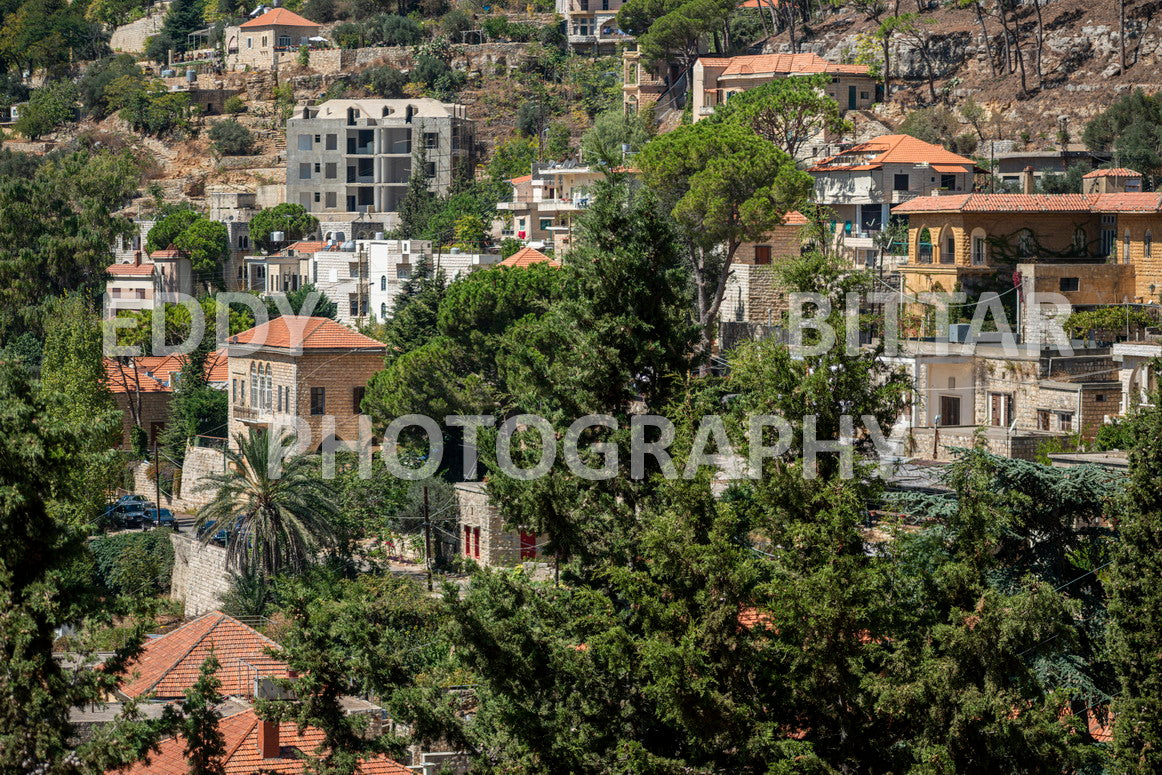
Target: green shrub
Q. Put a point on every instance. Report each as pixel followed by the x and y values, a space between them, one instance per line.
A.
pixel 135 564
pixel 232 139
pixel 234 105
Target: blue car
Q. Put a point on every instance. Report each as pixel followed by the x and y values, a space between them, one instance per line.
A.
pixel 159 517
pixel 220 535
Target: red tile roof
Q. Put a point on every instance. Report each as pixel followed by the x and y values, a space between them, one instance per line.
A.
pixel 305 246
pixel 131 270
pixel 167 253
pixel 1117 172
pixel 217 366
pixel 521 179
pixel 240 732
pixel 120 378
pixel 1135 202
pixel 527 256
pixel 279 17
pixel 795 218
pixel 894 149
pixel 170 664
pixel 309 333
pixel 776 64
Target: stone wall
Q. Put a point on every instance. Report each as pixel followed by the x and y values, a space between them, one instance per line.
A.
pixel 131 37
pixel 498 546
pixel 200 462
pixel 1020 445
pixel 200 578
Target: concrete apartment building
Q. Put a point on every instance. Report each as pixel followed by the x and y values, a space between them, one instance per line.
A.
pixel 591 25
pixel 862 184
pixel 355 156
pixel 544 204
pixel 308 369
pixel 139 285
pixel 258 42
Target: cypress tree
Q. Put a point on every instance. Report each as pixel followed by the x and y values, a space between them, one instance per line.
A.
pixel 1135 607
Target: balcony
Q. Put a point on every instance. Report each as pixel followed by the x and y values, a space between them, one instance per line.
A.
pixel 899 197
pixel 251 414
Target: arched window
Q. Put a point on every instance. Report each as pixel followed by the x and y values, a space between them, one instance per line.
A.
pixel 382 312
pixel 1126 247
pixel 383 282
pixel 254 384
pixel 1148 244
pixel 924 246
pixel 947 246
pixel 980 250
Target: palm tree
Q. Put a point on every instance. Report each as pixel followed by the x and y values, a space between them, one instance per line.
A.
pixel 279 512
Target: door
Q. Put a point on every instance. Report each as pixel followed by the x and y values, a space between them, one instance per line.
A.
pixel 1001 409
pixel 528 545
pixel 851 104
pixel 949 410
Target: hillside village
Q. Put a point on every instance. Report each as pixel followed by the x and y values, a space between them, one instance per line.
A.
pixel 580 387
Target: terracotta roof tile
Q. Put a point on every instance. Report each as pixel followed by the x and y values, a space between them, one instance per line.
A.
pixel 130 270
pixel 790 64
pixel 1117 172
pixel 309 333
pixel 167 253
pixel 120 378
pixel 170 664
pixel 1135 202
pixel 521 179
pixel 280 17
pixel 527 256
pixel 217 366
pixel 305 246
pixel 240 734
pixel 893 149
pixel 795 218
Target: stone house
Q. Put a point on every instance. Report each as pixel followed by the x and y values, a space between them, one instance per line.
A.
pixel 483 537
pixel 143 386
pixel 1137 372
pixel 715 79
pixel 1014 399
pixel 861 184
pixel 258 42
pixel 753 295
pixel 1093 249
pixel 141 285
pixel 301 375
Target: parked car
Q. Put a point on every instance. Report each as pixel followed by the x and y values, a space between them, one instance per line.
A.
pixel 125 500
pixel 220 535
pixel 128 514
pixel 159 517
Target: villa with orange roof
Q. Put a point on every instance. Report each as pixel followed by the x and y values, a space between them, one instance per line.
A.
pixel 715 79
pixel 299 372
pixel 861 185
pixel 258 42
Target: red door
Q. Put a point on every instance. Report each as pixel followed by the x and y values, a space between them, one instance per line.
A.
pixel 476 542
pixel 528 545
pixel 467 541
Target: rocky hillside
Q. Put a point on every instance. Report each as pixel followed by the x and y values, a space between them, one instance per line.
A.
pixel 1080 70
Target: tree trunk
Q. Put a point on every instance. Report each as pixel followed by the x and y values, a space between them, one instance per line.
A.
pixel 1041 45
pixel 984 34
pixel 1122 31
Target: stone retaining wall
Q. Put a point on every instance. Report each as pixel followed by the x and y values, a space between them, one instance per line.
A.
pixel 200 578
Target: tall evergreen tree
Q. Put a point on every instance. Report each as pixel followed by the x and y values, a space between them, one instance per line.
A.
pixel 1135 607
pixel 205 746
pixel 419 202
pixel 195 408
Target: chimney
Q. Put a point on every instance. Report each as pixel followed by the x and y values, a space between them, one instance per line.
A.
pixel 268 747
pixel 1027 185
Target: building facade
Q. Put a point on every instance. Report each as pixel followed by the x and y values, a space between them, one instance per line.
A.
pixel 303 375
pixel 258 42
pixel 861 185
pixel 356 156
pixel 138 285
pixel 545 203
pixel 591 25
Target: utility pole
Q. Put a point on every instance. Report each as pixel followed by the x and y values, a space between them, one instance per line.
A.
pixel 427 539
pixel 157 484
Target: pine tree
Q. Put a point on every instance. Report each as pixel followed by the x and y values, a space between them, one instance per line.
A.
pixel 419 201
pixel 196 408
pixel 183 17
pixel 1135 607
pixel 205 745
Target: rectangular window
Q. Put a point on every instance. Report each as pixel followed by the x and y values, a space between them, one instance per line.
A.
pixel 353 304
pixel 762 254
pixel 304 172
pixel 278 392
pixel 949 254
pixel 116 293
pixel 546 223
pixel 948 182
pixel 332 142
pixel 430 169
pixel 234 390
pixel 318 197
pixel 1065 420
pixel 357 399
pixel 332 170
pixel 1042 419
pixel 140 293
pixel 431 139
pixel 318 400
pixel 978 251
pixel 900 182
pixel 318 168
pixel 1069 284
pixel 305 142
pixel 331 199
pixel 250 43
